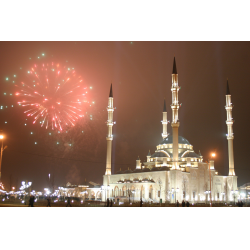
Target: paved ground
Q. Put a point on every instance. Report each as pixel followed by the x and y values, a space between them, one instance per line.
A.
pixel 43 203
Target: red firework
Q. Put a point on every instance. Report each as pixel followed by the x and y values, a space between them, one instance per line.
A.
pixel 53 95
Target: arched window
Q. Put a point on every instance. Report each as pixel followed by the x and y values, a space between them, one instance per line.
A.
pixel 124 191
pixel 116 191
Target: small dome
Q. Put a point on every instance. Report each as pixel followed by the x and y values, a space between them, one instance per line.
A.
pixel 164 168
pixel 127 181
pixel 136 180
pixel 145 170
pixel 192 154
pixel 169 140
pixel 128 171
pixel 159 154
pixel 155 169
pixel 119 172
pixel 137 170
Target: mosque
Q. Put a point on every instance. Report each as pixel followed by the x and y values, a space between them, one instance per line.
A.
pixel 174 171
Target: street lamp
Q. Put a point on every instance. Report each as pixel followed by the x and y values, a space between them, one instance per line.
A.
pixel 129 193
pixel 168 195
pixel 108 188
pixel 207 192
pixel 160 182
pixel 2 149
pixel 133 192
pixel 105 188
pixel 234 193
pixel 223 196
pixel 213 155
pixel 174 191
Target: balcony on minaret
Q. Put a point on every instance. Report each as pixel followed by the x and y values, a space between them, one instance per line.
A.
pixel 175 123
pixel 230 137
pixel 109 123
pixel 229 122
pixel 110 109
pixel 164 122
pixel 229 108
pixel 109 137
pixel 164 135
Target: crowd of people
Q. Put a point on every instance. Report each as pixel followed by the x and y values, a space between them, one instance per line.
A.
pixel 183 204
pixel 110 202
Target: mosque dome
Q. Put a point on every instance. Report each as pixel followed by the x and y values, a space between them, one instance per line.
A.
pixel 164 168
pixel 159 154
pixel 128 171
pixel 192 154
pixel 119 172
pixel 137 170
pixel 169 140
pixel 145 170
pixel 155 169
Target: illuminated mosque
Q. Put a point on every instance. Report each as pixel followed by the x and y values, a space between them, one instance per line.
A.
pixel 174 171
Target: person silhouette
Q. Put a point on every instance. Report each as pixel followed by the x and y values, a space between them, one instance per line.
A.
pixel 48 205
pixel 68 203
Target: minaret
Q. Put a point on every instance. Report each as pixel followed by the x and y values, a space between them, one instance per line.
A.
pixel 109 138
pixel 175 106
pixel 164 122
pixel 230 134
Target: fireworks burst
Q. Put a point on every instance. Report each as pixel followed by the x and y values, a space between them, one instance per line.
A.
pixel 53 95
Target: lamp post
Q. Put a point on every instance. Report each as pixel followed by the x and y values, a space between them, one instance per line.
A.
pixel 129 192
pixel 174 191
pixel 2 149
pixel 133 193
pixel 234 193
pixel 160 182
pixel 169 195
pixel 223 196
pixel 104 189
pixel 108 188
pixel 207 192
pixel 213 155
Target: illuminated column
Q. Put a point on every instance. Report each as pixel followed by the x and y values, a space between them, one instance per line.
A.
pixel 164 122
pixel 109 137
pixel 230 134
pixel 175 106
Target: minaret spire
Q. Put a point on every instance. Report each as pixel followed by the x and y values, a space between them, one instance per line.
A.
pixel 175 107
pixel 174 67
pixel 230 134
pixel 228 90
pixel 164 106
pixel 111 92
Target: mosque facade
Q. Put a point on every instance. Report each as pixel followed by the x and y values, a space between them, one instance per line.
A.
pixel 174 171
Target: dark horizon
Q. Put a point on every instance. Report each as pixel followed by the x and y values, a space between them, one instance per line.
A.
pixel 140 73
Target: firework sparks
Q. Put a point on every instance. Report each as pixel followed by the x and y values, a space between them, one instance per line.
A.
pixel 53 96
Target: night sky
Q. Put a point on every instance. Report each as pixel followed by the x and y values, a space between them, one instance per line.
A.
pixel 141 76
